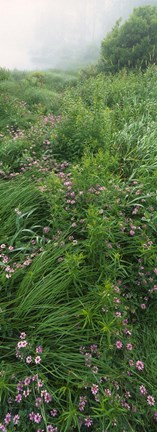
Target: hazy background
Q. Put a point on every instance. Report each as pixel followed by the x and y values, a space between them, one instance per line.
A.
pixel 41 34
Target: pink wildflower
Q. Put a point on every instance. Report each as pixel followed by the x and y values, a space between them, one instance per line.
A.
pixel 37 418
pixel 94 348
pixel 143 306
pixel 47 397
pixel 50 428
pixel 34 377
pixel 37 359
pixel 125 405
pixel 82 403
pixel 143 390
pixel 118 314
pixel 38 402
pixel 94 389
pixel 19 386
pixel 18 398
pixel 16 419
pixel 155 416
pixel 119 344
pixel 19 345
pixel 107 392
pixel 46 229
pixel 5 259
pixel 88 359
pixel 125 321
pixel 26 392
pixel 3 246
pixel 31 416
pixel 39 349
pixel 117 300
pixel 88 421
pixel 129 346
pixel 150 400
pixel 28 359
pixel 53 412
pixel 2 427
pixel 22 335
pixel 40 384
pixel 27 381
pixel 7 419
pixel 139 365
pixel 22 344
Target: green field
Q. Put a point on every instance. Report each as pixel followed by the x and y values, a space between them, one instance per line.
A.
pixel 78 230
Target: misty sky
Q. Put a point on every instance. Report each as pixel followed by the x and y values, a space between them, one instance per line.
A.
pixel 38 34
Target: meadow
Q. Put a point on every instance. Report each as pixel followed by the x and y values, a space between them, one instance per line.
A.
pixel 78 230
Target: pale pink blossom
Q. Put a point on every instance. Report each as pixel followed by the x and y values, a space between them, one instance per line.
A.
pixel 37 418
pixel 88 421
pixel 143 306
pixel 22 335
pixel 47 397
pixel 28 359
pixel 94 389
pixel 7 419
pixel 46 229
pixel 27 381
pixel 107 392
pixel 150 400
pixel 94 348
pixel 16 419
pixel 119 344
pixel 3 246
pixel 129 346
pixel 155 416
pixel 143 390
pixel 18 398
pixel 39 349
pixel 53 412
pixel 139 365
pixel 31 416
pixel 37 359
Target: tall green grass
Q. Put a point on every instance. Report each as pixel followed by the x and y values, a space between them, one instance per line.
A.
pixel 80 240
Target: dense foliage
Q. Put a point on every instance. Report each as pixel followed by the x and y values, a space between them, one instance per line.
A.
pixel 132 44
pixel 78 252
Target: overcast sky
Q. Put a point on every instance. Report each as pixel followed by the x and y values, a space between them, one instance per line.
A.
pixel 38 34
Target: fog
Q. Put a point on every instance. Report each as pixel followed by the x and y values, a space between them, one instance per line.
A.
pixel 41 34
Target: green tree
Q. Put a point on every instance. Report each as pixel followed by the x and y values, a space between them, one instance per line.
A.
pixel 132 44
